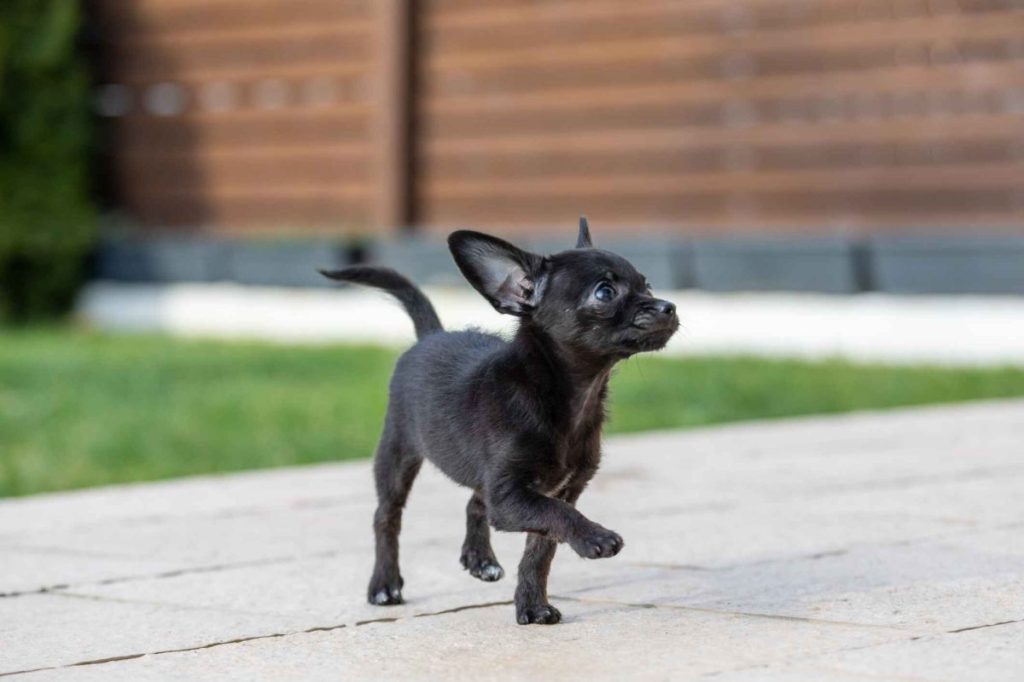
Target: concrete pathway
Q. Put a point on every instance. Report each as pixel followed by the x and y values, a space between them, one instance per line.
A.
pixel 864 547
pixel 963 330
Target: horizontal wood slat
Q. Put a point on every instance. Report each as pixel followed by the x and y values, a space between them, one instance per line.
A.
pixel 938 106
pixel 226 35
pixel 828 216
pixel 186 173
pixel 701 158
pixel 244 114
pixel 878 209
pixel 174 59
pixel 251 213
pixel 625 140
pixel 648 65
pixel 293 192
pixel 768 13
pixel 567 23
pixel 353 152
pixel 1005 78
pixel 982 176
pixel 827 39
pixel 243 132
pixel 138 18
pixel 241 76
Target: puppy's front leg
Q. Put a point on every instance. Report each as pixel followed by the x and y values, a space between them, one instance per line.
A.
pixel 513 506
pixel 532 591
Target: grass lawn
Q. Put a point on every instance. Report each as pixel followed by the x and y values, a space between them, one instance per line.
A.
pixel 80 409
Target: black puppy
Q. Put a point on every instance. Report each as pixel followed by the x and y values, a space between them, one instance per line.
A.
pixel 518 422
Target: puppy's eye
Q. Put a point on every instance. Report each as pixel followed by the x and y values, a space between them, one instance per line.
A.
pixel 604 292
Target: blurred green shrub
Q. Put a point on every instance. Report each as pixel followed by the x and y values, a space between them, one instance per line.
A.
pixel 47 220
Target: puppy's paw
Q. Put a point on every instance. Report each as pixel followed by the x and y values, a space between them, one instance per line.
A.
pixel 541 614
pixel 596 542
pixel 487 570
pixel 481 565
pixel 385 592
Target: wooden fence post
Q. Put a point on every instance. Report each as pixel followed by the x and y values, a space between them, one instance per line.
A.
pixel 392 134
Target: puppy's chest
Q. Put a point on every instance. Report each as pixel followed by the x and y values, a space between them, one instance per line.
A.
pixel 554 483
pixel 577 445
pixel 574 460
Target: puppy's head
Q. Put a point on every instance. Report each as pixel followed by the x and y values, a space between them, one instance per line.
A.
pixel 589 300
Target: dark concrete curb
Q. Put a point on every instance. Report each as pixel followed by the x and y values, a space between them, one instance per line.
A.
pixel 424 260
pixel 954 265
pixel 907 264
pixel 160 259
pixel 818 264
pixel 284 264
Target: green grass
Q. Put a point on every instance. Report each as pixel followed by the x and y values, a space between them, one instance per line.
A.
pixel 80 409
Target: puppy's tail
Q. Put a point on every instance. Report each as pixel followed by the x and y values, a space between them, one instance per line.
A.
pixel 423 315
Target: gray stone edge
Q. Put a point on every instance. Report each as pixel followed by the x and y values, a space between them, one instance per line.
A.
pixel 903 264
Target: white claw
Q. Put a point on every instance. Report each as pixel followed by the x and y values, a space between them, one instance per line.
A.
pixel 492 572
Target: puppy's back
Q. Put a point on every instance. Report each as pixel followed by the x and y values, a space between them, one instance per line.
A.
pixel 435 395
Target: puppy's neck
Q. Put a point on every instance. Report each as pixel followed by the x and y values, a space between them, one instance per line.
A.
pixel 582 378
pixel 581 369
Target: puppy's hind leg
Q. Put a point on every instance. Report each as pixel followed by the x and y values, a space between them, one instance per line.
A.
pixel 394 469
pixel 477 556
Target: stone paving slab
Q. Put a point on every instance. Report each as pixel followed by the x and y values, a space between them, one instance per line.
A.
pixel 992 654
pixel 855 547
pixel 46 630
pixel 925 587
pixel 28 570
pixel 597 641
pixel 236 494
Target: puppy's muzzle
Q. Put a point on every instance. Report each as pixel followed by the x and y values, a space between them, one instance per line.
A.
pixel 654 324
pixel 657 316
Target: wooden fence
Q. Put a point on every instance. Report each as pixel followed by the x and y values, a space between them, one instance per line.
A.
pixel 675 114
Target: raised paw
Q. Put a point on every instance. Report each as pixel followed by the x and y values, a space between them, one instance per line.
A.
pixel 385 592
pixel 541 614
pixel 596 542
pixel 481 566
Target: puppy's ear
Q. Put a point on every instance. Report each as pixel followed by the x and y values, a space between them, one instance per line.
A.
pixel 583 240
pixel 510 278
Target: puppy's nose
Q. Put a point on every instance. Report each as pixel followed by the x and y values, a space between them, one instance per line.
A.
pixel 665 307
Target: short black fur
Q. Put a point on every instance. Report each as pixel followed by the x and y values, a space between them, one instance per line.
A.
pixel 518 422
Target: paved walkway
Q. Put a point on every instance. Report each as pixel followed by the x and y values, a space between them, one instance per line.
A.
pixel 870 327
pixel 862 547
